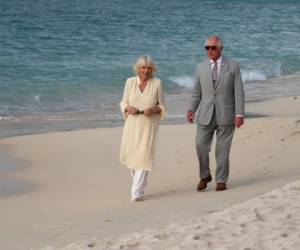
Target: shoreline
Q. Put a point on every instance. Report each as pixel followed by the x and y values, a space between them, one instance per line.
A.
pixel 177 102
pixel 173 119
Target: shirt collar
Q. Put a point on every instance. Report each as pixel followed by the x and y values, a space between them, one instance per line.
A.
pixel 218 61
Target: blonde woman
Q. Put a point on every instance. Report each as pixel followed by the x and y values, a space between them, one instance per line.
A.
pixel 142 106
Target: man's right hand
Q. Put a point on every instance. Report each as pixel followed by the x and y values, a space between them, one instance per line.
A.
pixel 190 115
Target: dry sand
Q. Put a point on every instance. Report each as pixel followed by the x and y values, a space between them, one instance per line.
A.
pixel 270 221
pixel 71 188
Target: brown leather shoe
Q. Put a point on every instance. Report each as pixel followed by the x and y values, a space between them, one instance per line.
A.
pixel 221 187
pixel 203 183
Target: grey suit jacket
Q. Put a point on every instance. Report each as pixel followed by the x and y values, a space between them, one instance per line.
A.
pixel 227 98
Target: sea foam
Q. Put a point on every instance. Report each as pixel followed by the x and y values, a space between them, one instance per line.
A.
pixel 247 76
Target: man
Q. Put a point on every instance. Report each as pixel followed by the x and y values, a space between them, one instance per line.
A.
pixel 218 96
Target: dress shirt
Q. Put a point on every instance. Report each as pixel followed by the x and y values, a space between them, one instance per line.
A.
pixel 212 62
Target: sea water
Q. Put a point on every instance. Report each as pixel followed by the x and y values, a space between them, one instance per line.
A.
pixel 63 64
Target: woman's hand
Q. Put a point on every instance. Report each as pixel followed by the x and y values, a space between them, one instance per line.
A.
pixel 132 110
pixel 152 111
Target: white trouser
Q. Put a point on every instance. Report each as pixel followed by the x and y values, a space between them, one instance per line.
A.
pixel 139 182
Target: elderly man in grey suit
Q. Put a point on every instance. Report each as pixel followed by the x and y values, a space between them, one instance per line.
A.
pixel 218 96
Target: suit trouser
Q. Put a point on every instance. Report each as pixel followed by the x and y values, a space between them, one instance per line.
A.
pixel 204 139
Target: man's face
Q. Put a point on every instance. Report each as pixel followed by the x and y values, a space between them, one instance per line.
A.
pixel 212 49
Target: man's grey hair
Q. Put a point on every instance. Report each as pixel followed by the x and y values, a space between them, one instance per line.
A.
pixel 219 43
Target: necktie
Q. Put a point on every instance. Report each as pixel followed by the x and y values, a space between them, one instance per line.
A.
pixel 215 73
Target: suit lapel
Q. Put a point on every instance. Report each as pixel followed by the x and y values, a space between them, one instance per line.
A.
pixel 209 76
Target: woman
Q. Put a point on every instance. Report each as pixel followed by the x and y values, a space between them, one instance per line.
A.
pixel 142 106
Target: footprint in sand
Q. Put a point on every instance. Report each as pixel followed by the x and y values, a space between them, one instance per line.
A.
pixel 90 245
pixel 161 236
pixel 295 133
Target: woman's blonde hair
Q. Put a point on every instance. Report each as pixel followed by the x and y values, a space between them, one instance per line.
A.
pixel 143 61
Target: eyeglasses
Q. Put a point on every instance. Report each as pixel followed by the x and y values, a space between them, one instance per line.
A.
pixel 210 47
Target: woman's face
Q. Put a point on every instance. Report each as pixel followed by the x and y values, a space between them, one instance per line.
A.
pixel 145 72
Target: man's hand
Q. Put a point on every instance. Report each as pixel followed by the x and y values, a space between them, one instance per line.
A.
pixel 239 121
pixel 190 116
pixel 132 110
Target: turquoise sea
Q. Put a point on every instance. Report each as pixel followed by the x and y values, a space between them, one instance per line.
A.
pixel 64 63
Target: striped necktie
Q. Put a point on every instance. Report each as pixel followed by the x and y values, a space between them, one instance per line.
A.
pixel 215 73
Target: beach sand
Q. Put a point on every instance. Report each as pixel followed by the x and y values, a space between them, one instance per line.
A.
pixel 72 192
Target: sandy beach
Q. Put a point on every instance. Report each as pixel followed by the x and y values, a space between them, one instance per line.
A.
pixel 67 190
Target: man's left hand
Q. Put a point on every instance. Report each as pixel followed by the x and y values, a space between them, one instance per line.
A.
pixel 239 121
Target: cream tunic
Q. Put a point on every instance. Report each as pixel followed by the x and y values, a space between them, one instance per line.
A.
pixel 140 131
